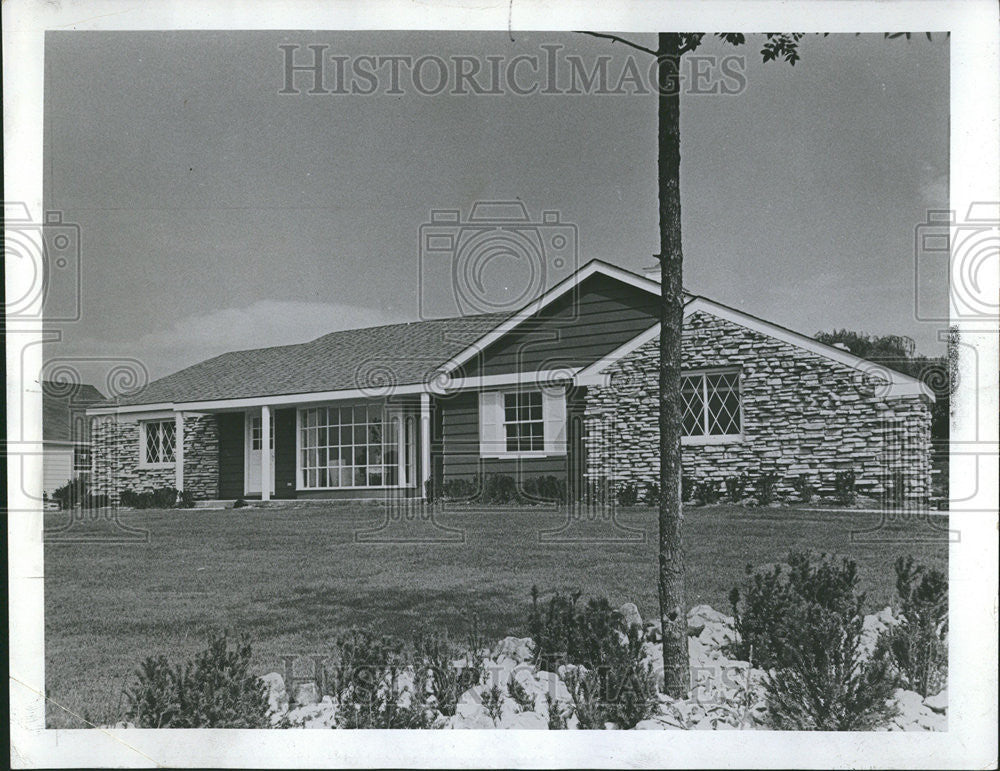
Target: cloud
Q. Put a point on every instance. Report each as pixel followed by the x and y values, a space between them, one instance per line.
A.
pixel 195 338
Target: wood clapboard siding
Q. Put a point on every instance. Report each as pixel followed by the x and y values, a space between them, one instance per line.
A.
pixel 574 331
pixel 231 457
pixel 460 446
pixel 284 453
pixel 57 466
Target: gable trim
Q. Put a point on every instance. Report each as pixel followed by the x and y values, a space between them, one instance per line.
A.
pixel 438 386
pixel 536 305
pixel 900 384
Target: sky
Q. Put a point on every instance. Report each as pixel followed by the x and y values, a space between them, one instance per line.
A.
pixel 217 214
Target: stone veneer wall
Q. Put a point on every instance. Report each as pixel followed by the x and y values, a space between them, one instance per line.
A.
pixel 116 458
pixel 803 414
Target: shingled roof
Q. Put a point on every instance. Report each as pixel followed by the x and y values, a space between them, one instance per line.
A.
pixel 400 354
pixel 61 403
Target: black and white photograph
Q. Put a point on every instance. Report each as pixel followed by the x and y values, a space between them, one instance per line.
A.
pixel 429 368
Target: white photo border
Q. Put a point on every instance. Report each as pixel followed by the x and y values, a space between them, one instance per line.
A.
pixel 971 738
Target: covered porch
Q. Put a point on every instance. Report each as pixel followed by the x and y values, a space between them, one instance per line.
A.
pixel 348 449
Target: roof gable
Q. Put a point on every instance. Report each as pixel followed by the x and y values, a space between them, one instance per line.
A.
pixel 536 306
pixel 900 384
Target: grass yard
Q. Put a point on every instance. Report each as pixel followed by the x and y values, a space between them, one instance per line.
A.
pixel 295 577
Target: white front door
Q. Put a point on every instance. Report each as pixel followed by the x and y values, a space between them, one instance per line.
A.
pixel 253 445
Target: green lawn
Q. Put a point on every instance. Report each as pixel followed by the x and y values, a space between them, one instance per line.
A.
pixel 295 577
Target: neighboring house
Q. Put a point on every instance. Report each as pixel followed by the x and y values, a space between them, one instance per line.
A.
pixel 66 431
pixel 565 387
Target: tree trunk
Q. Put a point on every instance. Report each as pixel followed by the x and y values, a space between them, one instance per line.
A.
pixel 673 613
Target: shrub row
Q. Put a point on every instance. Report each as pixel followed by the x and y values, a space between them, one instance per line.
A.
pixel 503 488
pixel 802 622
pixel 160 498
pixel 77 492
pixel 765 488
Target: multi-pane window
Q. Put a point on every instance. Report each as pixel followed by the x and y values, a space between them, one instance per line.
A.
pixel 158 441
pixel 711 404
pixel 523 422
pixel 255 433
pixel 81 458
pixel 351 446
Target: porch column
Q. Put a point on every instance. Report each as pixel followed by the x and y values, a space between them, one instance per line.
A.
pixel 179 451
pixel 265 453
pixel 425 442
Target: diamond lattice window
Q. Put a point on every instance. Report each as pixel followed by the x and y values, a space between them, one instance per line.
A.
pixel 711 404
pixel 159 443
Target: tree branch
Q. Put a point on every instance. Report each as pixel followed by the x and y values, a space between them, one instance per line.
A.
pixel 615 38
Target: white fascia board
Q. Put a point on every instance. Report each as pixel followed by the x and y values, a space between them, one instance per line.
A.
pixel 435 388
pixel 533 307
pixel 899 385
pixel 594 374
pixel 161 406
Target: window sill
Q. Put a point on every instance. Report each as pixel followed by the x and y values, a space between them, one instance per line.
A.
pixel 521 455
pixel 716 439
pixel 156 466
pixel 354 487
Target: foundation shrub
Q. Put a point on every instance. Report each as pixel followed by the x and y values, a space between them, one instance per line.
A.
pixel 736 487
pixel 804 488
pixel 706 492
pixel 844 491
pixel 627 494
pixel 766 487
pixel 214 690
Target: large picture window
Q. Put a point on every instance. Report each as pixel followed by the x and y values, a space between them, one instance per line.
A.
pixel 524 427
pixel 711 404
pixel 353 446
pixel 158 442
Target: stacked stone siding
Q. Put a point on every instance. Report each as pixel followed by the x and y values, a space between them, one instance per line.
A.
pixel 803 415
pixel 116 458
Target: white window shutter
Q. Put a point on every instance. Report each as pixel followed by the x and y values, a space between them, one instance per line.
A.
pixel 554 415
pixel 491 439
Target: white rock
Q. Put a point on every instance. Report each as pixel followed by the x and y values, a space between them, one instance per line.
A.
pixel 478 721
pixel 938 702
pixel 499 671
pixel 321 715
pixel 470 704
pixel 307 693
pixel 277 696
pixel 700 615
pixel 532 721
pixel 517 648
pixel 914 715
pixel 554 686
pixel 631 614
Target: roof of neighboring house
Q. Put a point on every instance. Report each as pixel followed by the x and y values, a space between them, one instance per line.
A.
pixel 59 402
pixel 397 354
